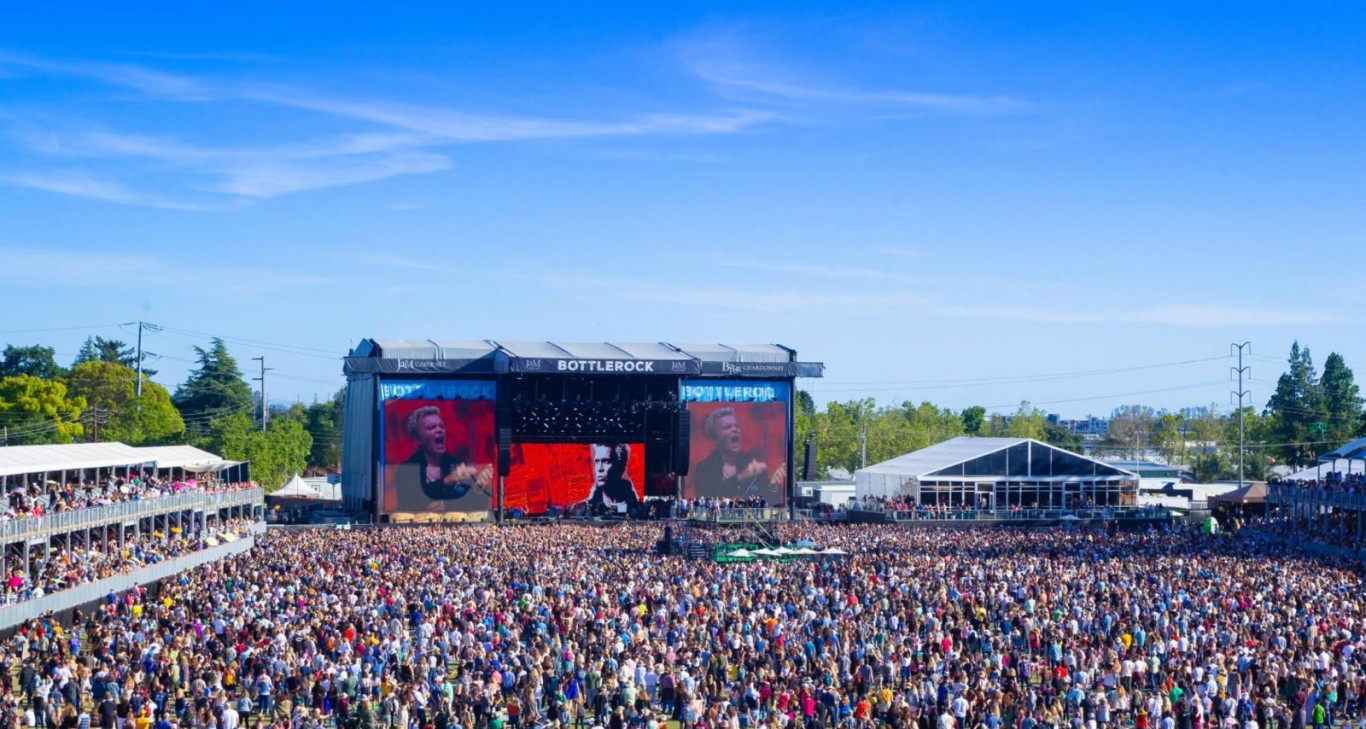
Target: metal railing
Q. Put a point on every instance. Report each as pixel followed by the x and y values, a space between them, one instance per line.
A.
pixel 35 527
pixel 1280 493
pixel 1105 513
pixel 723 515
pixel 11 615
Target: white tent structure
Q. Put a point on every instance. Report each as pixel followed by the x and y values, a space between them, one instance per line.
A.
pixel 186 457
pixel 69 457
pixel 296 488
pixel 998 473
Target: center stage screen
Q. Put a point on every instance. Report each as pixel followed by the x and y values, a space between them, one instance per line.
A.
pixel 437 447
pixel 739 440
pixel 574 476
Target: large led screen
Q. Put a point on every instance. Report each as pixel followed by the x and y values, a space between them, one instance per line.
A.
pixel 437 447
pixel 739 440
pixel 589 477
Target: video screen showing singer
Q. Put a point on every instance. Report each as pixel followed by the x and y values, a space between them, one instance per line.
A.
pixel 612 488
pixel 437 474
pixel 732 471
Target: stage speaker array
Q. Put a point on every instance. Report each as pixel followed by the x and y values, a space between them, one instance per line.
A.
pixel 504 451
pixel 809 464
pixel 682 449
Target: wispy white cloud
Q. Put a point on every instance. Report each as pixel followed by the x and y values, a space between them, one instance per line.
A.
pixel 729 62
pixel 385 260
pixel 411 140
pixel 759 298
pixel 1204 315
pixel 44 267
pixel 830 273
pixel 900 251
pixel 1023 313
pixel 84 185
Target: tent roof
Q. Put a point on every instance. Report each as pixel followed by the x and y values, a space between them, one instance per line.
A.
pixel 1253 493
pixel 935 458
pixel 1353 449
pixel 1355 465
pixel 941 455
pixel 179 456
pixel 296 487
pixel 67 457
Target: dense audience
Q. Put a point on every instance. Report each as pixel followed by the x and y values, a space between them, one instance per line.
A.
pixel 1332 482
pixel 69 566
pixel 35 498
pixel 432 627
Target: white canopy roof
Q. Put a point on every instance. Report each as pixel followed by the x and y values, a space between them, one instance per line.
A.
pixel 962 449
pixel 296 487
pixel 1354 449
pixel 179 456
pixel 67 457
pixel 1323 469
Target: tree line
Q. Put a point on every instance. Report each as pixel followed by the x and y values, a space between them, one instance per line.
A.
pixel 1309 414
pixel 97 398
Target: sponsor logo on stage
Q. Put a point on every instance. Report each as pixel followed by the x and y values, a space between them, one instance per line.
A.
pixel 604 365
pixel 755 368
pixel 422 365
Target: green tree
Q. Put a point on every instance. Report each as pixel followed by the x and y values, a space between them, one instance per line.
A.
pixel 35 360
pixel 1297 405
pixel 34 410
pixel 213 389
pixel 324 422
pixel 1341 399
pixel 1027 422
pixel 275 454
pixel 1062 437
pixel 974 418
pixel 1169 437
pixel 114 410
pixel 114 351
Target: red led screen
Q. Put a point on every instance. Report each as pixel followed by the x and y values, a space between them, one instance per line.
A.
pixel 575 475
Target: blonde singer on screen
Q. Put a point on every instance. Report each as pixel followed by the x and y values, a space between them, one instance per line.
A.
pixel 434 474
pixel 731 471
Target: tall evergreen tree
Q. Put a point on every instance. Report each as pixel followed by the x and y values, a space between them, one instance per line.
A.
pixel 214 389
pixel 1341 399
pixel 36 360
pixel 113 351
pixel 1297 406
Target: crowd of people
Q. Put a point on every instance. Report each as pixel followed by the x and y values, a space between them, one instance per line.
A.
pixel 24 499
pixel 577 625
pixel 1336 482
pixel 71 565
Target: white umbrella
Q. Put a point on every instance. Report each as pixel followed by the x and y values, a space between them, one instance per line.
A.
pixel 804 551
pixel 783 552
pixel 1071 517
pixel 767 553
pixel 833 550
pixel 743 553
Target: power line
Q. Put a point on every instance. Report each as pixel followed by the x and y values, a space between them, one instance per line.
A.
pixel 1026 378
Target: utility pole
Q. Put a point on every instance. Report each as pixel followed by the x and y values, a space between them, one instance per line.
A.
pixel 265 403
pixel 1243 371
pixel 139 382
pixel 863 446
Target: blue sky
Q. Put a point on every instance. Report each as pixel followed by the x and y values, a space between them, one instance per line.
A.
pixel 950 202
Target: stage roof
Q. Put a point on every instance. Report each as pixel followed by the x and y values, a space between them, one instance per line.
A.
pixel 434 356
